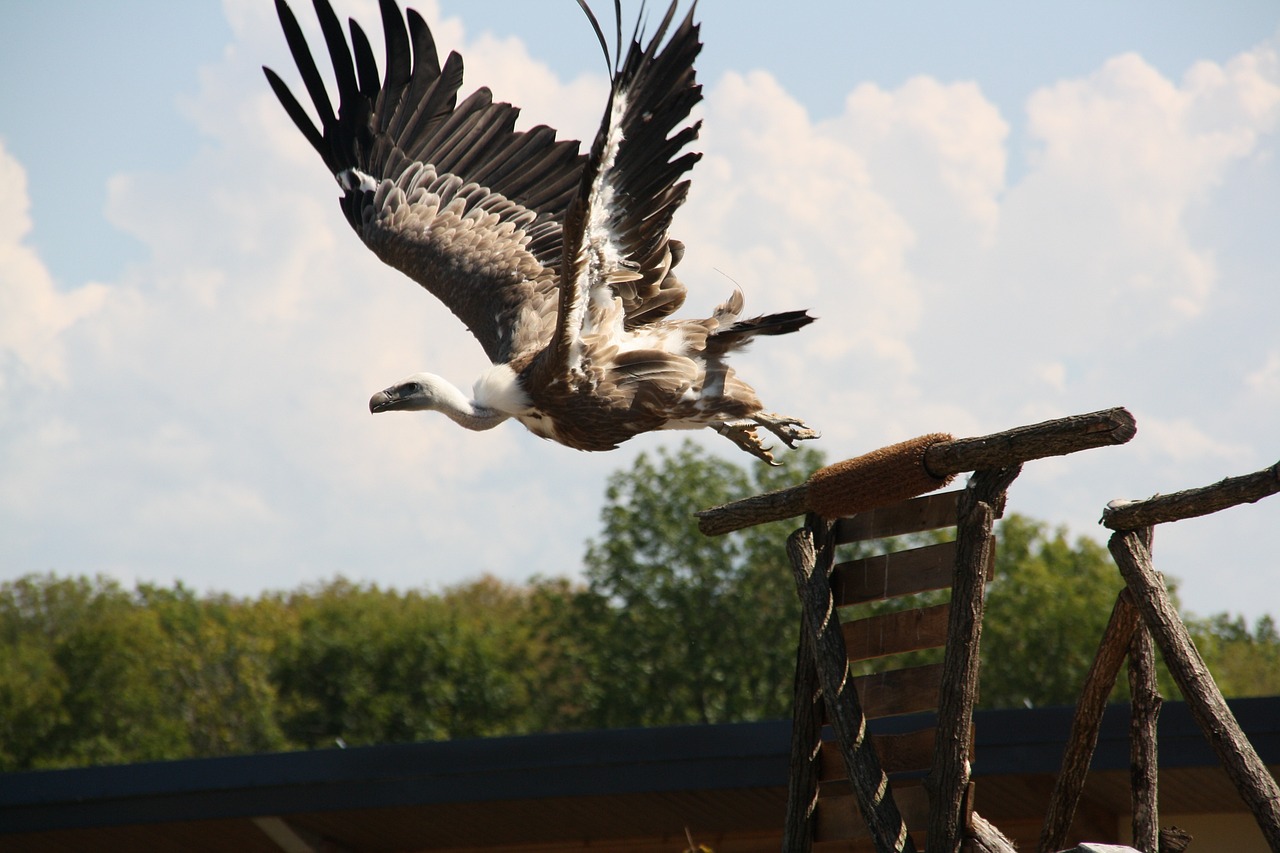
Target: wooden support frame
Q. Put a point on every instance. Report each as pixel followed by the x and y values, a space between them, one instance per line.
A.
pixel 811 550
pixel 948 780
pixel 1246 770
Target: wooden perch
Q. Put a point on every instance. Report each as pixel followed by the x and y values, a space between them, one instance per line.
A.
pixel 914 467
pixel 1133 515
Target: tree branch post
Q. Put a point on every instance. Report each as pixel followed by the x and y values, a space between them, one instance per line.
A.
pixel 1252 779
pixel 806 739
pixel 1086 723
pixel 810 562
pixel 948 780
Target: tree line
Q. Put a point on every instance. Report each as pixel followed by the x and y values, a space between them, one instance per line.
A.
pixel 664 627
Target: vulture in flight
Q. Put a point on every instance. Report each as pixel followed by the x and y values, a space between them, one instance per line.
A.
pixel 559 263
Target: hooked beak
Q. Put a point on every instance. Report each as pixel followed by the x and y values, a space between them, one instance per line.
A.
pixel 386 401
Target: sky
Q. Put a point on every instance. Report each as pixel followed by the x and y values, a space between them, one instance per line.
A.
pixel 1001 212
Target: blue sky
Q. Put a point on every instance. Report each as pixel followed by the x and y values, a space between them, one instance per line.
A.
pixel 1002 212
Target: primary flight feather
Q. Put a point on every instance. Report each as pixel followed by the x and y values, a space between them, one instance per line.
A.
pixel 559 263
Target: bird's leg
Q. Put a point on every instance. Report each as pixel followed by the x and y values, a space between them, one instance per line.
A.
pixel 742 432
pixel 790 430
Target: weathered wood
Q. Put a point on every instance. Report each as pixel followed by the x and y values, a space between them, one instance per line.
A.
pixel 810 559
pixel 1247 772
pixel 895 633
pixel 898 753
pixel 899 691
pixel 930 512
pixel 1143 757
pixel 837 820
pixel 1012 447
pixel 1174 840
pixel 806 740
pixel 900 573
pixel 1132 515
pixel 983 837
pixel 999 450
pixel 1086 723
pixel 979 506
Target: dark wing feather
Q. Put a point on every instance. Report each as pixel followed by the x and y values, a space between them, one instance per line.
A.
pixel 616 229
pixel 446 191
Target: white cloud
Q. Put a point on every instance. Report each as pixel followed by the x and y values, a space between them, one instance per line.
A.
pixel 34 311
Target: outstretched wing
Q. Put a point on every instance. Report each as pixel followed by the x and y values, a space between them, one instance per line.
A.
pixel 445 191
pixel 616 242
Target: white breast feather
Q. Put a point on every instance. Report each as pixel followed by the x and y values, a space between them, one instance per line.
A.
pixel 498 389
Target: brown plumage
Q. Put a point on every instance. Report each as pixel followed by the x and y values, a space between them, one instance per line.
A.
pixel 558 263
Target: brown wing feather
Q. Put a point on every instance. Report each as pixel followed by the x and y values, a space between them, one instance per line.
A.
pixel 445 191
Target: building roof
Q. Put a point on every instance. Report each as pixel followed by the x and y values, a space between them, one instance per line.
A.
pixel 638 786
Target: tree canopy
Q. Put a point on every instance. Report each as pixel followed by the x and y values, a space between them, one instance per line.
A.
pixel 663 626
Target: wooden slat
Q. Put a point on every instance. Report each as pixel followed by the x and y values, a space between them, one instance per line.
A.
pixel 900 573
pixel 838 818
pixel 902 691
pixel 890 575
pixel 930 512
pixel 895 633
pixel 899 753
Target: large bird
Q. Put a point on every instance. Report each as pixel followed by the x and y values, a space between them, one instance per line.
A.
pixel 558 263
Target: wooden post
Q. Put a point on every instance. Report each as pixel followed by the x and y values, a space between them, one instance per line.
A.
pixel 806 739
pixel 1086 723
pixel 980 504
pixel 1252 779
pixel 844 710
pixel 1144 710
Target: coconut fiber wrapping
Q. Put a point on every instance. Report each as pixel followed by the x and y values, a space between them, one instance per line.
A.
pixel 881 477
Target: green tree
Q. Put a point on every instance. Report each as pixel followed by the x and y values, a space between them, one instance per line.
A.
pixel 1244 662
pixel 673 626
pixel 369 665
pixel 87 646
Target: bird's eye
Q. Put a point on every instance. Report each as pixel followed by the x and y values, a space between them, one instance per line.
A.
pixel 409 388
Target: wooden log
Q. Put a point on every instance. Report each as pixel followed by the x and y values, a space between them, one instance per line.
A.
pixel 1086 723
pixel 1143 756
pixel 1013 447
pixel 1247 772
pixel 1174 840
pixel 943 459
pixel 981 836
pixel 1250 488
pixel 844 710
pixel 948 780
pixel 806 741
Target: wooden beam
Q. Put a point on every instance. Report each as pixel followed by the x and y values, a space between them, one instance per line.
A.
pixel 1005 449
pixel 1086 723
pixel 1134 515
pixel 806 741
pixel 1252 779
pixel 948 781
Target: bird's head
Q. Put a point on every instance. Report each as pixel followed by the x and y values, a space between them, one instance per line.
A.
pixel 419 392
